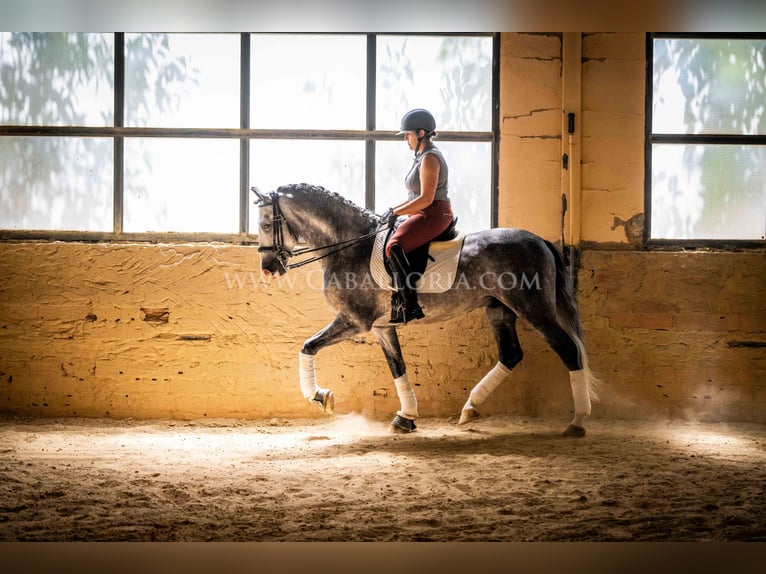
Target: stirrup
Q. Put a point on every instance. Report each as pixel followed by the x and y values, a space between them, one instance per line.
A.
pixel 401 312
pixel 397 309
pixel 406 314
pixel 397 316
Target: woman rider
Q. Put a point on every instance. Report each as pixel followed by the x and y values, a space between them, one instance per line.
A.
pixel 427 208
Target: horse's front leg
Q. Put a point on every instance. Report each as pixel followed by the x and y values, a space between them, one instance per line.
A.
pixel 404 421
pixel 339 329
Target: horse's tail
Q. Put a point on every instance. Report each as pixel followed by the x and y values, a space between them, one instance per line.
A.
pixel 568 316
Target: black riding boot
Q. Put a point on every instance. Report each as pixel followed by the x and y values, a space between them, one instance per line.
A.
pixel 404 303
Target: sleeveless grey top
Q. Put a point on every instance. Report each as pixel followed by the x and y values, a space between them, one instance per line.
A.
pixel 412 180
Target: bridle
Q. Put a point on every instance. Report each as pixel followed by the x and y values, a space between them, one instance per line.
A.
pixel 278 242
pixel 279 223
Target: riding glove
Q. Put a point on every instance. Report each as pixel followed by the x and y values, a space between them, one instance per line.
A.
pixel 389 217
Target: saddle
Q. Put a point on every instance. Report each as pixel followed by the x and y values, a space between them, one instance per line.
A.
pixel 435 262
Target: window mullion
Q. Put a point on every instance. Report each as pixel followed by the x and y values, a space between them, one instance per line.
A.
pixel 495 192
pixel 369 164
pixel 703 139
pixel 244 142
pixel 119 122
pixel 648 100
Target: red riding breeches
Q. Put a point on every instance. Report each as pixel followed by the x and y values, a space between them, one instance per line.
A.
pixel 421 227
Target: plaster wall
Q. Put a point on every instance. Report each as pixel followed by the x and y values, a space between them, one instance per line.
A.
pixel 191 330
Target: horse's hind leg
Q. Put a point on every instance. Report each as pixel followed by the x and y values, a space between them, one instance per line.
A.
pixel 571 354
pixel 404 421
pixel 503 322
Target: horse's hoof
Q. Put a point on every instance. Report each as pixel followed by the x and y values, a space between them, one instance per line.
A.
pixel 402 425
pixel 468 415
pixel 573 430
pixel 325 400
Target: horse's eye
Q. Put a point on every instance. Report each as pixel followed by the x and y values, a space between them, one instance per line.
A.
pixel 265 226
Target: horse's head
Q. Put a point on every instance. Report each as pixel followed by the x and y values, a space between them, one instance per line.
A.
pixel 276 239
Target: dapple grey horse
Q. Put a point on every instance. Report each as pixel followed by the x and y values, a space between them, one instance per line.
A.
pixel 342 234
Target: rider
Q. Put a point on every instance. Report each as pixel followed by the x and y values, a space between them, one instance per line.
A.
pixel 428 210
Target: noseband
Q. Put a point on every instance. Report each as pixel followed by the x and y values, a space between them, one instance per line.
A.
pixel 278 238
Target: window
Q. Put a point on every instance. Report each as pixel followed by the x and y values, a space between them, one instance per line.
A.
pixel 706 138
pixel 141 136
pixel 54 182
pixel 174 184
pixel 451 77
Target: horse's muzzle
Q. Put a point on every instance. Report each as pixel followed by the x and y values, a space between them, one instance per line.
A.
pixel 271 266
pixel 269 272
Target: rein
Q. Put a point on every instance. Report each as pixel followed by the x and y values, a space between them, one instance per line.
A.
pixel 278 245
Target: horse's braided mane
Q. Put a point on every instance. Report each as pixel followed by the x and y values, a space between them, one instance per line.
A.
pixel 317 191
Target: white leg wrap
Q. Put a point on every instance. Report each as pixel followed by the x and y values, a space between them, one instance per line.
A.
pixel 488 384
pixel 407 398
pixel 307 375
pixel 581 395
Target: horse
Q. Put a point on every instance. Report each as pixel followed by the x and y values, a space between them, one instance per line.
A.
pixel 343 234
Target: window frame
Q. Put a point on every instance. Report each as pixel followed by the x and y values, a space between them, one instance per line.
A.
pixel 651 138
pixel 119 132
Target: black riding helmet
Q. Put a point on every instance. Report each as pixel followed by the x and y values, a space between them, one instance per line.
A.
pixel 416 120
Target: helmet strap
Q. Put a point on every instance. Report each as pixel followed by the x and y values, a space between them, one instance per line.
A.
pixel 420 140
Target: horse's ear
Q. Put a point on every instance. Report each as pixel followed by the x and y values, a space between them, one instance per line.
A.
pixel 262 199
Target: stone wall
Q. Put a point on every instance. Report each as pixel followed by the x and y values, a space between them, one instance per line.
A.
pixel 192 331
pixel 677 335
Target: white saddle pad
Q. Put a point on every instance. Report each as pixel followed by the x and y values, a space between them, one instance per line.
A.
pixel 441 269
